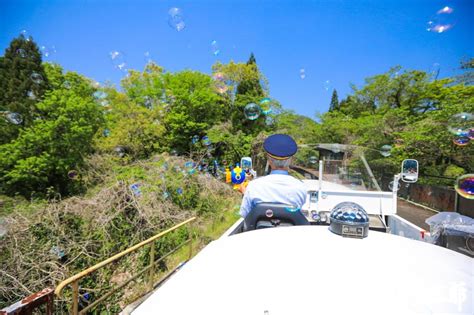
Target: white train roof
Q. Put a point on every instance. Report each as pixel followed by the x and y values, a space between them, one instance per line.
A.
pixel 309 270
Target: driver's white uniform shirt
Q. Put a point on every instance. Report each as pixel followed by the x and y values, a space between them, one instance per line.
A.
pixel 278 187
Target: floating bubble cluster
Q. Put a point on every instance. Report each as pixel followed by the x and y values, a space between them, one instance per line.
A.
pixel 118 60
pixel 385 150
pixel 215 48
pixel 465 186
pixel 460 124
pixel 442 21
pixel 175 19
pixel 36 78
pixel 219 82
pixel 13 118
pixel 302 73
pixel 266 106
pixel 252 111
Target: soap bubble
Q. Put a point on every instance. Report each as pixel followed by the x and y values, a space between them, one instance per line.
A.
pixel 460 124
pixel 461 141
pixel 118 60
pixel 26 35
pixel 99 95
pixel 252 111
pixel 148 102
pixel 215 48
pixel 313 160
pixel 45 51
pixel 327 85
pixel 390 186
pixel 434 71
pixel 21 52
pixel 266 106
pixel 72 174
pixel 13 118
pixel 105 103
pixel 470 135
pixel 36 78
pixel 147 57
pixel 302 73
pixel 175 19
pixel 442 21
pixel 385 150
pixel 292 209
pixel 269 121
pixel 206 141
pixel 57 251
pixel 120 151
pixel 195 139
pixel 219 82
pixel 31 95
pixel 135 188
pixel 465 186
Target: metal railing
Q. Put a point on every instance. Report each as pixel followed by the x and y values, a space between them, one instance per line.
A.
pixel 74 280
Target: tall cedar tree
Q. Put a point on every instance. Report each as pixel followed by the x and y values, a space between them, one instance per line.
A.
pixel 22 82
pixel 334 101
pixel 249 91
pixel 251 87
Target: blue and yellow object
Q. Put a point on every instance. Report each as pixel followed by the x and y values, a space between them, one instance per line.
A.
pixel 237 175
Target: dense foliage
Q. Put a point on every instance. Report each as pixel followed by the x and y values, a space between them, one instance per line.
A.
pixel 410 111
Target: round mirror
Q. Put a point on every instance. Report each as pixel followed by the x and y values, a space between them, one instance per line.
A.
pixel 409 171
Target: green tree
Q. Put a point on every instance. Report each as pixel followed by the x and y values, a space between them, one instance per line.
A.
pixel 54 143
pixel 334 101
pixel 22 82
pixel 194 107
pixel 467 77
pixel 251 86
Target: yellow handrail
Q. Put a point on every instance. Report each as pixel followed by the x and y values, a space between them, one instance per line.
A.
pixel 74 279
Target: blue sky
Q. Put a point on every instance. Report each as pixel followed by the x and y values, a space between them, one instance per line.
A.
pixel 340 41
